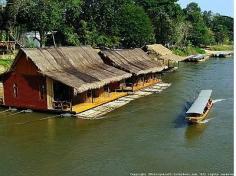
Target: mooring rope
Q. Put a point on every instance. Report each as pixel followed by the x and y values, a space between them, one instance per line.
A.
pixel 11 114
pixel 15 113
pixel 4 111
pixel 31 121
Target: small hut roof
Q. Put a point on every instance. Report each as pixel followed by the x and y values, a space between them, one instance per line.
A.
pixel 159 49
pixel 164 53
pixel 78 67
pixel 134 61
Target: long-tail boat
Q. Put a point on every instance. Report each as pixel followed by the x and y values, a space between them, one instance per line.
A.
pixel 200 108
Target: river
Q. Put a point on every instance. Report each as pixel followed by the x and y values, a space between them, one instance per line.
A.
pixel 147 135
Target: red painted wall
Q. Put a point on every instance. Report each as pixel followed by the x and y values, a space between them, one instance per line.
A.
pixel 28 82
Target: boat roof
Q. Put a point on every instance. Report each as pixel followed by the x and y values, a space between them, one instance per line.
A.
pixel 200 103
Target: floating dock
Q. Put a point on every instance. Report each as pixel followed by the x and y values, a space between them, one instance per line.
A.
pixel 196 58
pixel 99 111
pixel 222 54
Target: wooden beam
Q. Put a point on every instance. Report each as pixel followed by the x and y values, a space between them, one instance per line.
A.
pixel 92 95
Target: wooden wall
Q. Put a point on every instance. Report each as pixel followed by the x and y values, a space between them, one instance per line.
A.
pixel 29 83
pixel 96 94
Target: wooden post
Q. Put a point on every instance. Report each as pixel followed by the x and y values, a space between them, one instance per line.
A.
pixel 53 38
pixel 71 98
pixel 50 93
pixel 92 95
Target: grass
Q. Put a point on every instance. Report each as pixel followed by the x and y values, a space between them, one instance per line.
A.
pixel 221 47
pixel 190 50
pixel 6 61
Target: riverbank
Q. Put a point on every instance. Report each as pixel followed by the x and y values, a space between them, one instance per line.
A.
pixel 209 50
pixel 220 48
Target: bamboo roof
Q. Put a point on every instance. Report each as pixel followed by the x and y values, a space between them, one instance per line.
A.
pixel 163 53
pixel 134 61
pixel 78 67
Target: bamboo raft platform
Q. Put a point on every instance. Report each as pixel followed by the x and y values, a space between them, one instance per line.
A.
pixel 222 54
pixel 99 111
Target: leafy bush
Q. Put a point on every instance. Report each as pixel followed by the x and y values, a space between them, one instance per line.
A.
pixel 188 51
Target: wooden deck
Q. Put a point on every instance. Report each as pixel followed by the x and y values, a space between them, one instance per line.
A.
pixel 99 111
pixel 145 85
pixel 100 101
pixel 113 96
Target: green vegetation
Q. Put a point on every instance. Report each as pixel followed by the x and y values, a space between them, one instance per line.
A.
pixel 221 47
pixel 6 63
pixel 116 23
pixel 188 51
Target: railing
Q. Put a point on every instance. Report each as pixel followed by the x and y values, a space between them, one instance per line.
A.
pixel 62 105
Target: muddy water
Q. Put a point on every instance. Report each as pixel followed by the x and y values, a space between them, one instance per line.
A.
pixel 147 135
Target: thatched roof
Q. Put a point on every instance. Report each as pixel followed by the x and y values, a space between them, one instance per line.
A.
pixel 161 52
pixel 78 67
pixel 134 61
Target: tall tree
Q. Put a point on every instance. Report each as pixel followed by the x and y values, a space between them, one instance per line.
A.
pixel 165 17
pixel 222 26
pixel 200 34
pixel 135 27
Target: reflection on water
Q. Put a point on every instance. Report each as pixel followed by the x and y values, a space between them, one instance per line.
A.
pixel 194 131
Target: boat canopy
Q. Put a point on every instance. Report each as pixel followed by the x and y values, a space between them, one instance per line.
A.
pixel 200 103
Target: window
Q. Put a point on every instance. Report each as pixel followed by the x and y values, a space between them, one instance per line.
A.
pixel 42 92
pixel 15 90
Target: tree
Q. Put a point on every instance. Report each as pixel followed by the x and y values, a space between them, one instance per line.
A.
pixel 181 33
pixel 208 18
pixel 98 23
pixel 67 32
pixel 222 26
pixel 165 17
pixel 42 16
pixel 200 34
pixel 116 23
pixel 135 28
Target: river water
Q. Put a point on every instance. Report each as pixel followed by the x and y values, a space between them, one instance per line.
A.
pixel 147 135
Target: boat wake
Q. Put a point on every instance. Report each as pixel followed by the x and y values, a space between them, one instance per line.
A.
pixel 206 121
pixel 217 100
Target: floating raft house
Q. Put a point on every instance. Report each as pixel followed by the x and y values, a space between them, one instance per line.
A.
pixel 145 72
pixel 68 79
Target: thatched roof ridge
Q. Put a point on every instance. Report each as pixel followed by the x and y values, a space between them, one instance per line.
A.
pixel 134 61
pixel 78 67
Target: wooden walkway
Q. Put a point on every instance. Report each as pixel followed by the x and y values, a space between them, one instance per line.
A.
pixel 100 111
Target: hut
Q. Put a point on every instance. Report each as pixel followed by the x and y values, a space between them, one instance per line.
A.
pixel 135 61
pixel 159 52
pixel 60 79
